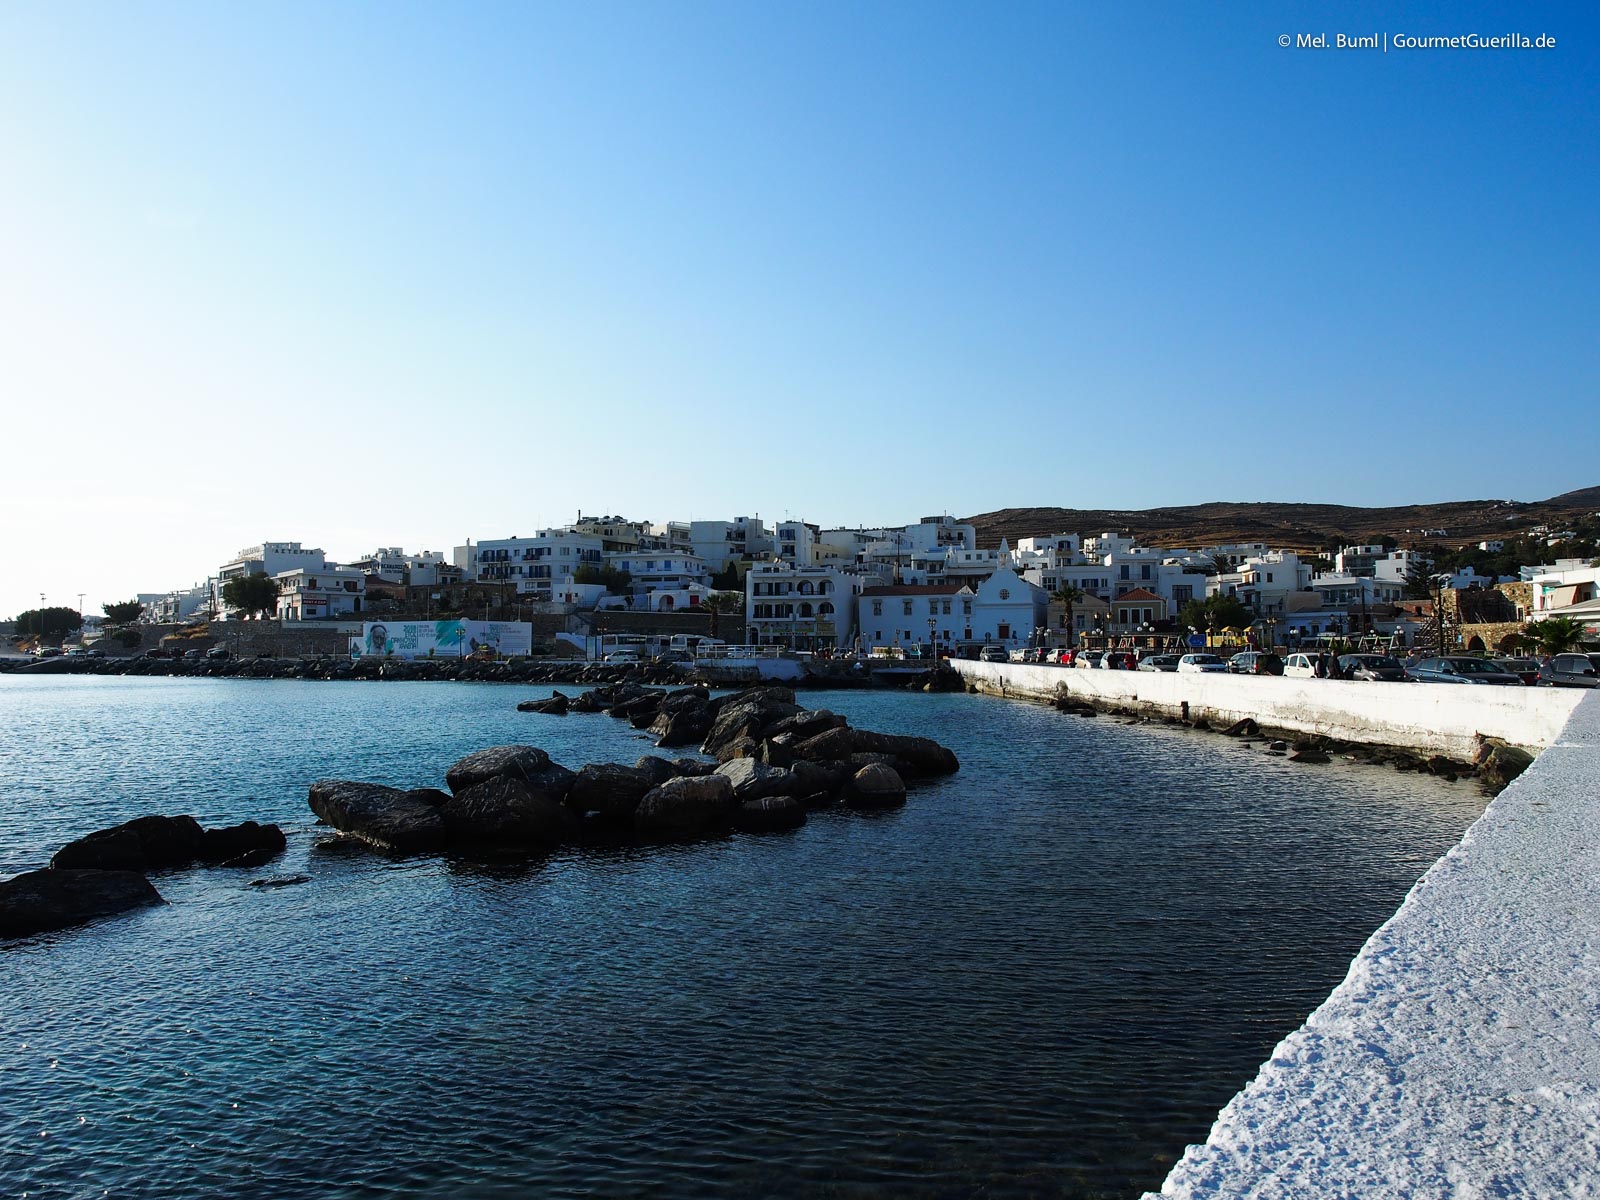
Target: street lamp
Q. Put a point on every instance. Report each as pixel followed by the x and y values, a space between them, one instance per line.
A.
pixel 933 646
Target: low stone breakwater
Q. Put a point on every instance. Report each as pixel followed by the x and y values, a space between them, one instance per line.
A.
pixel 771 761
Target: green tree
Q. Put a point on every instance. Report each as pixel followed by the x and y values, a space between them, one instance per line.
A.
pixel 251 594
pixel 1554 635
pixel 1215 612
pixel 723 604
pixel 123 612
pixel 1069 595
pixel 1420 583
pixel 52 623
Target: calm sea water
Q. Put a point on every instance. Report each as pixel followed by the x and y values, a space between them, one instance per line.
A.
pixel 1041 978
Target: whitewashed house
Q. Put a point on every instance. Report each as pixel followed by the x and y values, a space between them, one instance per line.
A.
pixel 316 593
pixel 806 608
pixel 902 615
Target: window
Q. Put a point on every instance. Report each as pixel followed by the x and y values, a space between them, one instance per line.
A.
pixel 933 608
pixel 877 608
pixel 907 606
pixel 1124 574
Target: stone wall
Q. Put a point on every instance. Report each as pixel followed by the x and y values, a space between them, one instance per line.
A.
pixel 1439 718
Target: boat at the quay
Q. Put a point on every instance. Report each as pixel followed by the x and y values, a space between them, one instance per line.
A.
pixel 1042 975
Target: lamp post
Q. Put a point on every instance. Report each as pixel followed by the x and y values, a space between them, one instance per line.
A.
pixel 933 646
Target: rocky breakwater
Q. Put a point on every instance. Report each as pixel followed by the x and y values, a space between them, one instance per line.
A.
pixel 770 762
pixel 330 667
pixel 105 872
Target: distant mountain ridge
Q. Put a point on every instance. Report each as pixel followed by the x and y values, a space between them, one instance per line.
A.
pixel 1293 526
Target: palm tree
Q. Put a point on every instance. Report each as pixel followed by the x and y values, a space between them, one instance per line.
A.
pixel 1068 595
pixel 722 604
pixel 1554 635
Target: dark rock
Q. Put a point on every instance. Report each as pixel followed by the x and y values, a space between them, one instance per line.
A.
pixel 769 814
pixel 831 744
pixel 686 805
pixel 1278 746
pixel 512 762
pixel 745 714
pixel 685 725
pixel 1438 764
pixel 385 817
pixel 776 752
pixel 1499 762
pixel 505 814
pixel 278 881
pixel 586 702
pixel 743 747
pixel 656 770
pixel 875 786
pixel 610 789
pixel 753 780
pixel 1311 754
pixel 234 841
pixel 810 777
pixel 804 724
pixel 1245 727
pixel 151 843
pixel 555 705
pixel 38 901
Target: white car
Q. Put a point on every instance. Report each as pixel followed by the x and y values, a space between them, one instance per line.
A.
pixel 1300 666
pixel 1201 664
pixel 622 656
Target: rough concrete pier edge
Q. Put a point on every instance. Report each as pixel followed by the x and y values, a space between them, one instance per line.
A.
pixel 1461 1054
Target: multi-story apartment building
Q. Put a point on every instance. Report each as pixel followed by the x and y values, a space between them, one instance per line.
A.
pixel 808 608
pixel 721 543
pixel 535 565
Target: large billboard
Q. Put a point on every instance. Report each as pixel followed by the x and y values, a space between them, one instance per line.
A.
pixel 441 639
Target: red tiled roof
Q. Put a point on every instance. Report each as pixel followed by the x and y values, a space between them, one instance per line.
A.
pixel 1139 594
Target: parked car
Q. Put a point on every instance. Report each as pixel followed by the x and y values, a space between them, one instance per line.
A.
pixel 155 652
pixel 1255 662
pixel 992 654
pixel 1571 670
pixel 77 652
pixel 1300 666
pixel 47 652
pixel 1201 664
pixel 622 656
pixel 1525 669
pixel 1376 668
pixel 197 653
pixel 1159 662
pixel 217 652
pixel 1062 657
pixel 1118 660
pixel 1461 669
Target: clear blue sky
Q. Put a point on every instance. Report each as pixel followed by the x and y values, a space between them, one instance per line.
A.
pixel 401 274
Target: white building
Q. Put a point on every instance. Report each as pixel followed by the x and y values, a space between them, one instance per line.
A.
pixel 902 615
pixel 536 564
pixel 1562 589
pixel 664 580
pixel 807 608
pixel 315 593
pixel 270 558
pixel 720 543
pixel 169 608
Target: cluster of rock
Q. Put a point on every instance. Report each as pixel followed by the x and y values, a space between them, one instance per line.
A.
pixel 773 761
pixel 1495 764
pixel 104 872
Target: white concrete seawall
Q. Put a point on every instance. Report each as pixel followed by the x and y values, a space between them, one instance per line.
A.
pixel 1439 718
pixel 1460 1057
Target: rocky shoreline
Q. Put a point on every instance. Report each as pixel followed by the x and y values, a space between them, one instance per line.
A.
pixel 1495 764
pixel 769 761
pixel 526 671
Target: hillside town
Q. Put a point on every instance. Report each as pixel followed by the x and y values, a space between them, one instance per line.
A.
pixel 603 586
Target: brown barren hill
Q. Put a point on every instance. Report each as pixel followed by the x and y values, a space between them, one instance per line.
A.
pixel 1292 526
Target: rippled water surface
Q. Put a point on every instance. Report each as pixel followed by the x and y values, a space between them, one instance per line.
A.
pixel 1041 978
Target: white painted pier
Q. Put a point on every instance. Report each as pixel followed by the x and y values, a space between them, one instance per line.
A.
pixel 1439 718
pixel 1460 1057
